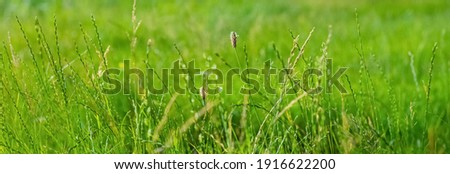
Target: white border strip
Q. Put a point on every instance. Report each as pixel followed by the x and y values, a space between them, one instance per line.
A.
pixel 345 164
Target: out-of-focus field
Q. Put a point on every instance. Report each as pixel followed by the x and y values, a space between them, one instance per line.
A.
pixel 396 101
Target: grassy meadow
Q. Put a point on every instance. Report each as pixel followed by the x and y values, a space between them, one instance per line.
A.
pixel 54 55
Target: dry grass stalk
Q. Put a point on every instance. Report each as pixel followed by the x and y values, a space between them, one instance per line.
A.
pixel 302 49
pixel 164 119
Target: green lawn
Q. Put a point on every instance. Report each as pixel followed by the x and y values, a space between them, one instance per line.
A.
pixel 55 53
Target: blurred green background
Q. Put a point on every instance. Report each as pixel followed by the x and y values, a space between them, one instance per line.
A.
pixel 389 31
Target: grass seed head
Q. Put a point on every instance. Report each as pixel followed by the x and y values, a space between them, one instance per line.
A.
pixel 202 92
pixel 149 43
pixel 233 38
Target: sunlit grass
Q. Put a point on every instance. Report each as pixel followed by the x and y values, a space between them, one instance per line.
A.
pixel 396 100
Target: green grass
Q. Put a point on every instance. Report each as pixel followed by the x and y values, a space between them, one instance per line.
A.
pixel 397 100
